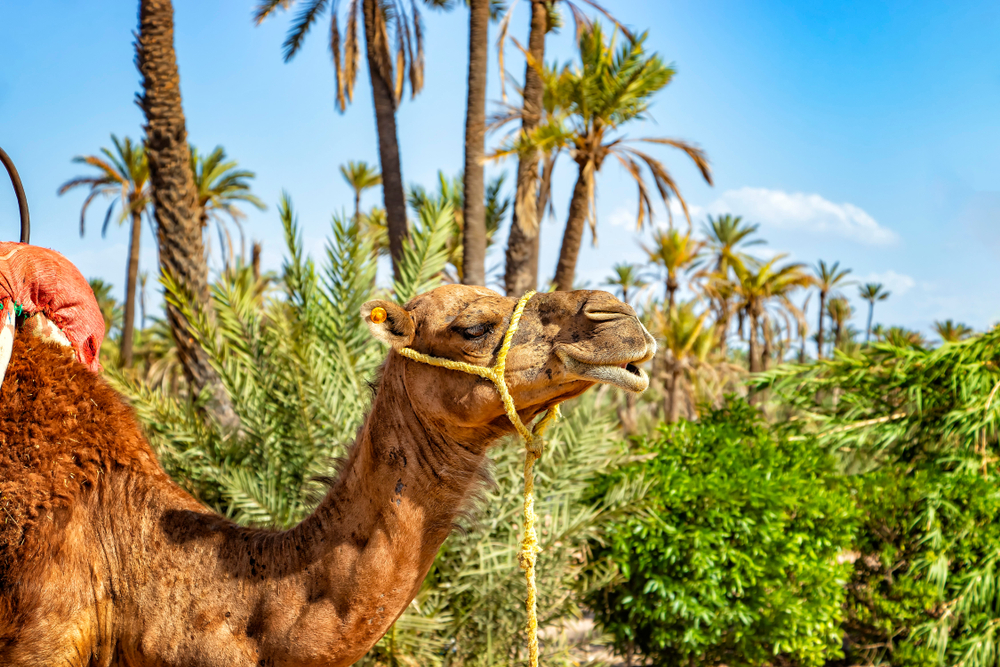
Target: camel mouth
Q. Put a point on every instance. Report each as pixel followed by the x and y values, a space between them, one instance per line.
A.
pixel 625 375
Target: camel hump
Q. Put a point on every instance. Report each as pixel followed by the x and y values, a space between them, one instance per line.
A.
pixel 62 429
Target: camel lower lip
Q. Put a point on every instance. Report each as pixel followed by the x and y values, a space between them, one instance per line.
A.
pixel 628 376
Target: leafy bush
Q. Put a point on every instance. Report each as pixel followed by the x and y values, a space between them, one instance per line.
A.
pixel 732 554
pixel 920 427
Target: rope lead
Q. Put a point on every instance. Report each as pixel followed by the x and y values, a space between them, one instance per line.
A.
pixel 533 445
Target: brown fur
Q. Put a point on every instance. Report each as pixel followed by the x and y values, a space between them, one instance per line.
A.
pixel 105 561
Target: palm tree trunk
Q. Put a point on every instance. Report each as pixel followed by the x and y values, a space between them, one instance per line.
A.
pixel 131 278
pixel 357 205
pixel 388 144
pixel 819 332
pixel 754 363
pixel 675 396
pixel 175 199
pixel 672 286
pixel 868 332
pixel 573 236
pixel 521 271
pixel 474 208
pixel 765 356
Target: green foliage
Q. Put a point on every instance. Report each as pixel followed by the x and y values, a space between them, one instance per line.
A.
pixel 921 425
pixel 731 555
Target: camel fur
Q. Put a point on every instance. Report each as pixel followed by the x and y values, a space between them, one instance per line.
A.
pixel 105 561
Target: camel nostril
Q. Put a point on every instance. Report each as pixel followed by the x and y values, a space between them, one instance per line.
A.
pixel 603 307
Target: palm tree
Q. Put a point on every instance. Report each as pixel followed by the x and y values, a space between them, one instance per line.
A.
pixel 760 285
pixel 611 87
pixel 952 332
pixel 724 235
pixel 872 292
pixel 394 47
pixel 123 176
pixel 521 268
pixel 175 197
pixel 143 280
pixel 827 278
pixel 547 139
pixel 220 186
pixel 686 343
pixel 474 212
pixel 360 176
pixel 676 253
pixel 840 311
pixel 626 278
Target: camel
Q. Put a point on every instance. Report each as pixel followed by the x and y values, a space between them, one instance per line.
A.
pixel 104 560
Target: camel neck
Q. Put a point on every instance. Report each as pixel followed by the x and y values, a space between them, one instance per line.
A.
pixel 382 522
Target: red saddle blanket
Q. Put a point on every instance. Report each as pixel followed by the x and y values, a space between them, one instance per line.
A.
pixel 37 280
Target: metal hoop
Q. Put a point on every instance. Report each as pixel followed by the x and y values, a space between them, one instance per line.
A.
pixel 22 201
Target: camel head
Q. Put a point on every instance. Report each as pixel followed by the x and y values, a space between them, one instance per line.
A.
pixel 566 343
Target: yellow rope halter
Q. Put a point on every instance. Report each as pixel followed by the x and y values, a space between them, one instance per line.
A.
pixel 533 445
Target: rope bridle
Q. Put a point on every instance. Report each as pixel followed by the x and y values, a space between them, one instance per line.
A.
pixel 533 445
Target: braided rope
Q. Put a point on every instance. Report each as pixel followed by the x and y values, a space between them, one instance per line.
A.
pixel 528 553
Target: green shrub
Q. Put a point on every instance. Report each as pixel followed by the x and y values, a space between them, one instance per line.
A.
pixel 732 553
pixel 920 425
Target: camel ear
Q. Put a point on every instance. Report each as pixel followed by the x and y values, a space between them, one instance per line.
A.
pixel 389 322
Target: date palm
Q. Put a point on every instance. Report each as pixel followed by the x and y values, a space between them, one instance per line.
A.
pixel 686 340
pixel 521 270
pixel 676 253
pixel 611 87
pixel 546 140
pixel 872 292
pixel 952 332
pixel 221 185
pixel 828 277
pixel 839 311
pixel 123 176
pixel 175 197
pixel 360 176
pixel 394 49
pixel 625 279
pixel 760 286
pixel 725 235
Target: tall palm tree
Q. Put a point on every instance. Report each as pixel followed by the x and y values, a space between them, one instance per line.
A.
pixel 221 185
pixel 521 270
pixel 686 343
pixel 123 176
pixel 725 235
pixel 625 279
pixel 394 48
pixel 611 87
pixel 828 277
pixel 474 211
pixel 952 332
pixel 872 292
pixel 840 311
pixel 675 253
pixel 360 176
pixel 175 197
pixel 759 286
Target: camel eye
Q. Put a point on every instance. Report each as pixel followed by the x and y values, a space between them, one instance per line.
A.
pixel 477 331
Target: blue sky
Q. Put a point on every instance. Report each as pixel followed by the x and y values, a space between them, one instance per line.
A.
pixel 864 132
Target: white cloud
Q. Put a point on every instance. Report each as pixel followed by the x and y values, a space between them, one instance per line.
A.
pixel 803 213
pixel 897 283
